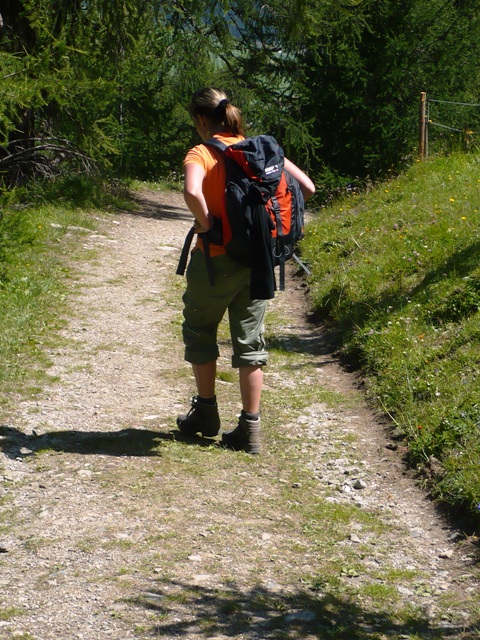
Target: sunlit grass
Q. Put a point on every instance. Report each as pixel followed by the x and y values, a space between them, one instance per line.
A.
pixel 397 271
pixel 41 229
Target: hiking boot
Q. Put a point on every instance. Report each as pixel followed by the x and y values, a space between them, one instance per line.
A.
pixel 246 436
pixel 202 418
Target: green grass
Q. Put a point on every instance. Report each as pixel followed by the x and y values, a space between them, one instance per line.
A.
pixel 39 227
pixel 396 275
pixel 30 285
pixel 9 613
pixel 172 182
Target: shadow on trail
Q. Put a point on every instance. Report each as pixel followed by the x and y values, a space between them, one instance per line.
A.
pixel 315 341
pixel 310 343
pixel 185 610
pixel 126 442
pixel 159 210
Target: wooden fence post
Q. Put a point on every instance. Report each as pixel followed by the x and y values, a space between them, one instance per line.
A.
pixel 422 130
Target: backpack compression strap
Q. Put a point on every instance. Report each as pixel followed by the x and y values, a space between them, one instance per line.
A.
pixel 279 249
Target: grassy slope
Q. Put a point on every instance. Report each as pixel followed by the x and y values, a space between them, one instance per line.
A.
pixel 397 270
pixel 38 228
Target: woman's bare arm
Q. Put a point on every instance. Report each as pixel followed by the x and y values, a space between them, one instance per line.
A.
pixel 194 198
pixel 306 185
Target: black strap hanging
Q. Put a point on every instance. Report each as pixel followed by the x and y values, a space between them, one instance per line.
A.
pixel 182 263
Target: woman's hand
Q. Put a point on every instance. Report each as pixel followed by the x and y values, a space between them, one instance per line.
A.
pixel 200 228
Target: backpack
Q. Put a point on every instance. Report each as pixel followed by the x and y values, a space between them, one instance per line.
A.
pixel 263 213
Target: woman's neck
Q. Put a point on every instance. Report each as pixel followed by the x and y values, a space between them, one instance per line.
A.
pixel 209 129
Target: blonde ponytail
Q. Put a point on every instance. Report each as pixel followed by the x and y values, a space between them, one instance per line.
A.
pixel 214 104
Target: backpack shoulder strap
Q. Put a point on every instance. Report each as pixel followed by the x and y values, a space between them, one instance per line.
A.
pixel 216 144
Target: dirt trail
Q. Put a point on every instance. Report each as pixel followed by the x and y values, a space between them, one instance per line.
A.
pixel 110 528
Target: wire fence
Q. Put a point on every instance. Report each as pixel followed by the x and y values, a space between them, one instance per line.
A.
pixel 448 125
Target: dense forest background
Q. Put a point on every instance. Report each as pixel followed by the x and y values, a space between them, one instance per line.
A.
pixel 102 85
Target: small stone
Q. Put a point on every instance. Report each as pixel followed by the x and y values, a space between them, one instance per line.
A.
pixel 447 554
pixel 271 585
pixel 455 536
pixel 429 612
pixel 360 484
pixel 152 596
pixel 195 558
pixel 443 586
pixel 301 616
pixel 201 579
pixel 354 538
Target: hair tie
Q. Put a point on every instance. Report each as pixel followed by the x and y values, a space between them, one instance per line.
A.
pixel 221 107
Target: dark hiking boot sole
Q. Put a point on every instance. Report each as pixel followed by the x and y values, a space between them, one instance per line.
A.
pixel 187 429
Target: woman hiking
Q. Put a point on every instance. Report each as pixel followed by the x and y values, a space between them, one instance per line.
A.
pixel 205 305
